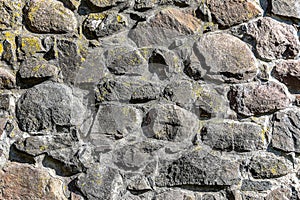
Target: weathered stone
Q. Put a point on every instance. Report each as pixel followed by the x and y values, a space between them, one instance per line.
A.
pixel 28 46
pixel 49 16
pixel 288 72
pixel 225 58
pixel 98 25
pixel 286 131
pixel 123 61
pixel 11 14
pixel 32 69
pixel 145 93
pixel 268 166
pixel 178 195
pixel 5 102
pixel 257 99
pixel 273 39
pixel 117 121
pixel 249 185
pixel 160 28
pixel 280 193
pixel 198 168
pixel 7 79
pixel 19 181
pixel 233 135
pixel 138 183
pixel 287 8
pixel 98 182
pixel 169 122
pixel 9 48
pixel 231 12
pixel 145 4
pixel 49 106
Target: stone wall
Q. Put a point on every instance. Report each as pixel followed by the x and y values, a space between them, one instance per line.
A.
pixel 149 99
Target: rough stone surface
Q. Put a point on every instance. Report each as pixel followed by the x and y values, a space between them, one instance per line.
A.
pixel 22 181
pixel 286 131
pixel 287 8
pixel 225 58
pixel 10 14
pixel 257 99
pixel 273 39
pixel 49 16
pixel 233 136
pixel 288 72
pixel 7 79
pixel 231 12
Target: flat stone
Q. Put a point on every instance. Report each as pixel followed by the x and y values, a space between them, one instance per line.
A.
pixel 286 131
pixel 274 39
pixel 200 169
pixel 99 25
pixel 160 28
pixel 267 166
pixel 169 122
pixel 49 16
pixel 287 8
pixel 288 72
pixel 231 12
pixel 258 99
pixel 7 79
pixel 225 58
pixel 49 106
pixel 231 135
pixel 23 180
pixel 145 93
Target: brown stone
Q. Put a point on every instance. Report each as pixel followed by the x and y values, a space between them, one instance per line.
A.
pixel 22 181
pixel 288 72
pixel 231 12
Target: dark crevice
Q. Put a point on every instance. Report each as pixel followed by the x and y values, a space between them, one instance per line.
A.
pixel 20 156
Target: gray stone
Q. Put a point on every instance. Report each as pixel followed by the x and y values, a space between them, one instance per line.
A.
pixel 225 58
pixel 287 8
pixel 49 106
pixel 273 39
pixel 7 79
pixel 123 61
pixel 288 72
pixel 258 99
pixel 145 93
pixel 98 182
pixel 169 122
pixel 267 165
pixel 233 135
pixel 173 194
pixel 49 16
pixel 117 121
pixel 98 25
pixel 160 28
pixel 104 3
pixel 286 131
pixel 37 69
pixel 231 12
pixel 248 185
pixel 198 168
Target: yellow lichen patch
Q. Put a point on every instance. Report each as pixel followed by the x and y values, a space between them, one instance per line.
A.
pixel 43 148
pixel 30 45
pixel 198 90
pixel 97 16
pixel 1 48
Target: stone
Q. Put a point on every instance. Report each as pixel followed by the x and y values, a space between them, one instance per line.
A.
pixel 11 14
pixel 7 79
pixel 19 181
pixel 145 93
pixel 225 58
pixel 233 136
pixel 104 3
pixel 273 39
pixel 267 166
pixel 173 194
pixel 99 182
pixel 287 8
pixel 159 30
pixel 49 106
pixel 116 121
pixel 280 193
pixel 32 69
pixel 99 25
pixel 286 132
pixel 198 168
pixel 258 99
pixel 123 61
pixel 288 72
pixel 49 16
pixel 232 12
pixel 169 122
pixel 248 185
pixel 28 46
